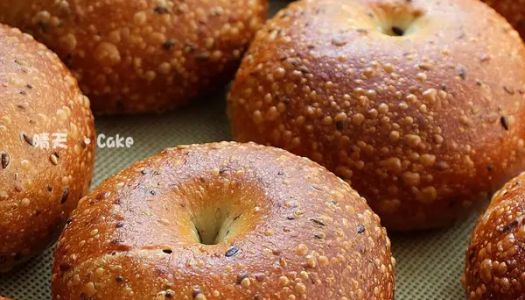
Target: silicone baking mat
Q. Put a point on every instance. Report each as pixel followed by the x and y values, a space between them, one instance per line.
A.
pixel 429 264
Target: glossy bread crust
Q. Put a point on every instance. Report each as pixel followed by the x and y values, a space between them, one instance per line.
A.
pixel 135 56
pixel 419 104
pixel 223 221
pixel 495 260
pixel 513 10
pixel 39 184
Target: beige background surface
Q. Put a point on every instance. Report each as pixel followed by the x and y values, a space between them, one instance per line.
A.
pixel 429 264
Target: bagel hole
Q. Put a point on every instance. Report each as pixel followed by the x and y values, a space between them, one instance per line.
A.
pixel 212 228
pixel 397 31
pixel 221 207
pixel 398 21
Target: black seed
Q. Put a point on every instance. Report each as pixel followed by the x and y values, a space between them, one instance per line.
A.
pixel 167 251
pixel 509 90
pixel 318 222
pixel 241 276
pixel 161 10
pixel 318 236
pixel 462 73
pixel 232 251
pixel 119 225
pixel 64 267
pixel 27 139
pixel 340 125
pixel 65 195
pixel 509 226
pixel 504 122
pixel 360 228
pixel 4 160
pixel 119 279
pixel 168 45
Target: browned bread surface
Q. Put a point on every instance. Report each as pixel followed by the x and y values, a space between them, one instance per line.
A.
pixel 418 104
pixel 495 260
pixel 39 184
pixel 223 221
pixel 134 56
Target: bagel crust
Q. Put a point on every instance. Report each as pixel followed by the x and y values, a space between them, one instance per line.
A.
pixel 495 260
pixel 513 10
pixel 223 221
pixel 39 185
pixel 417 104
pixel 135 56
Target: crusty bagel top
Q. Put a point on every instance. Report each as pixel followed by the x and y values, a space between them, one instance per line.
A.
pixel 422 124
pixel 39 184
pixel 495 258
pixel 135 56
pixel 224 221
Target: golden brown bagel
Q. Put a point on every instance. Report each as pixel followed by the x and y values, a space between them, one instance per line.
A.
pixel 423 125
pixel 134 56
pixel 39 185
pixel 223 221
pixel 495 260
pixel 513 10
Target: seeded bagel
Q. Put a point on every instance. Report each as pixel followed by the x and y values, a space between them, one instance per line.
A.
pixel 419 104
pixel 223 221
pixel 39 185
pixel 495 261
pixel 134 56
pixel 513 10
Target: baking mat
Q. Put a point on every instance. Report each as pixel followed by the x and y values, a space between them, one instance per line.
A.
pixel 429 264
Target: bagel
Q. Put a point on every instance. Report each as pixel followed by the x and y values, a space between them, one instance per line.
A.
pixel 142 55
pixel 419 105
pixel 39 185
pixel 513 10
pixel 223 221
pixel 495 261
